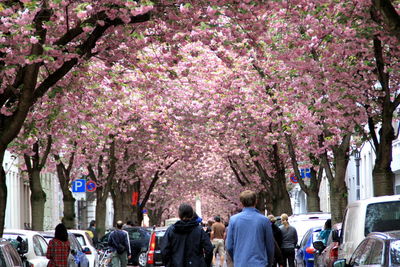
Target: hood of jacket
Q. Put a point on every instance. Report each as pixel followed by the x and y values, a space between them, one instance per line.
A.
pixel 184 227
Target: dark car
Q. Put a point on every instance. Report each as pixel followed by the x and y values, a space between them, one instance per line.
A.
pixel 154 257
pixel 305 253
pixel 327 254
pixel 139 241
pixel 377 249
pixel 9 255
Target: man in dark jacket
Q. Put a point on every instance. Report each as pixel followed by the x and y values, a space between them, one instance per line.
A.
pixel 119 244
pixel 185 243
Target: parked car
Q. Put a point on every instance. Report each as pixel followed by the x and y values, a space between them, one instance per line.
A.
pixel 9 255
pixel 327 254
pixel 377 249
pixel 87 245
pixel 377 214
pixel 305 252
pixel 139 241
pixel 154 257
pixel 77 257
pixel 303 222
pixel 36 245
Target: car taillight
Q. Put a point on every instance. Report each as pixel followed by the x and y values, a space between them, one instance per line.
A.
pixel 150 254
pixel 311 250
pixel 334 253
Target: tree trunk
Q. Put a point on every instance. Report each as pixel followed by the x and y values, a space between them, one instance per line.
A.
pixel 313 201
pixel 68 198
pixel 280 196
pixel 382 172
pixel 137 215
pixel 338 196
pixel 101 216
pixel 38 199
pixel 3 193
pixel 69 210
pixel 337 179
pixel 122 202
pixel 155 216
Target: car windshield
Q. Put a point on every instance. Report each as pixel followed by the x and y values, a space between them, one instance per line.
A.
pixel 382 217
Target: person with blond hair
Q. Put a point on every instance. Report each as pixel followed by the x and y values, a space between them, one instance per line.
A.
pixel 289 241
pixel 250 241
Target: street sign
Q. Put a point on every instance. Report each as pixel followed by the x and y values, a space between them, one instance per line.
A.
pixel 91 186
pixel 79 186
pixel 293 178
pixel 305 173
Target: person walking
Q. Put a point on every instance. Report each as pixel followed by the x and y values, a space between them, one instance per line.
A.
pixel 278 259
pixel 218 240
pixel 119 244
pixel 185 243
pixel 289 241
pixel 250 241
pixel 94 236
pixel 324 234
pixel 59 248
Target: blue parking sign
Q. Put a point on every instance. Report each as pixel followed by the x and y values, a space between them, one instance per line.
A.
pixel 79 186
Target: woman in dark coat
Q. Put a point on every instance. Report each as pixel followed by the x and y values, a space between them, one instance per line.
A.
pixel 59 247
pixel 185 243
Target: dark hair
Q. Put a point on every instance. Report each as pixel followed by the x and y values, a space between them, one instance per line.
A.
pixel 328 224
pixel 217 218
pixel 248 198
pixel 61 232
pixel 185 211
pixel 120 224
pixel 92 223
pixel 129 223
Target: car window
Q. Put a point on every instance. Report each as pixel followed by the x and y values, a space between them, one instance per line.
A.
pixel 16 260
pixel 88 239
pixel 382 217
pixel 134 234
pixel 305 238
pixel 37 247
pixel 81 239
pixel 2 259
pixel 43 244
pixel 376 253
pixel 395 252
pixel 361 254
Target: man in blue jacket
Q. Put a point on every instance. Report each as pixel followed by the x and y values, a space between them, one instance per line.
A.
pixel 119 244
pixel 185 243
pixel 250 241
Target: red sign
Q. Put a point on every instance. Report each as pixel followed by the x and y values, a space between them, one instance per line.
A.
pixel 293 178
pixel 90 186
pixel 135 198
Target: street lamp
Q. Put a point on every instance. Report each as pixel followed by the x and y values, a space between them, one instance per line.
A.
pixel 357 158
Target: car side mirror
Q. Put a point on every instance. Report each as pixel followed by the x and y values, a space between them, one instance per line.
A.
pixel 73 252
pixel 297 246
pixel 341 263
pixel 319 245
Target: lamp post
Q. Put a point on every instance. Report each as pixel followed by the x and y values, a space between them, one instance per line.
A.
pixel 357 158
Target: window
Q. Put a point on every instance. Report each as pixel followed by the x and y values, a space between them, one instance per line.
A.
pixel 382 217
pixel 134 235
pixel 376 253
pixel 37 248
pixel 361 254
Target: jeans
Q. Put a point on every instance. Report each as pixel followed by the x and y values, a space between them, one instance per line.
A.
pixel 119 260
pixel 288 254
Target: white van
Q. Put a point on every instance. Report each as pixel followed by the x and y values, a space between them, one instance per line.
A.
pixel 377 214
